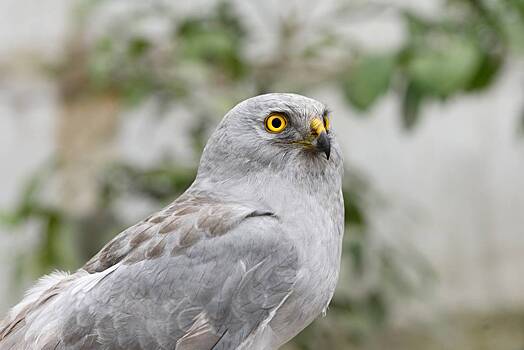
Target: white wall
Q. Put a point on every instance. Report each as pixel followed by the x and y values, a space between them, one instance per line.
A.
pixel 454 189
pixel 28 106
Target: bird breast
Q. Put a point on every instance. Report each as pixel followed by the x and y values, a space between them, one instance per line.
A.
pixel 319 241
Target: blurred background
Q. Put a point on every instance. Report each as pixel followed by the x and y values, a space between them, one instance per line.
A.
pixel 105 107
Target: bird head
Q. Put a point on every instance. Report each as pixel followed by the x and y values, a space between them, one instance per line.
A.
pixel 278 132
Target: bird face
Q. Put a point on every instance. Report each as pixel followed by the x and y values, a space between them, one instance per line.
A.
pixel 270 125
pixel 277 131
pixel 316 137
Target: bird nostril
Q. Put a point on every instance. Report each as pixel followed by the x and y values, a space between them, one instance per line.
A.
pixel 317 126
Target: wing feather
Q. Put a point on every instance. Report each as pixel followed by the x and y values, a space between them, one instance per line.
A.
pixel 204 273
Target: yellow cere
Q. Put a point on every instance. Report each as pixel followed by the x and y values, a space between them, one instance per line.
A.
pixel 276 123
pixel 317 126
pixel 326 122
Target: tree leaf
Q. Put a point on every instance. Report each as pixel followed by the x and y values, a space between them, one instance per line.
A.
pixel 444 65
pixel 138 46
pixel 368 79
pixel 216 41
pixel 487 70
pixel 416 25
pixel 411 103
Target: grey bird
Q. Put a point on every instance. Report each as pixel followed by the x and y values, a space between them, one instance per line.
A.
pixel 246 258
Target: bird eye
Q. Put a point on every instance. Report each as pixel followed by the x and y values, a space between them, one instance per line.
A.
pixel 326 122
pixel 276 123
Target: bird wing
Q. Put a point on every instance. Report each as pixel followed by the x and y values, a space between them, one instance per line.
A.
pixel 204 273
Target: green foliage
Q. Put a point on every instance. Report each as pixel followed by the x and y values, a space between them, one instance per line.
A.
pixel 445 67
pixel 368 79
pixel 411 103
pixel 53 223
pixel 215 40
pixel 136 66
pixel 160 183
pixel 444 58
pixel 460 52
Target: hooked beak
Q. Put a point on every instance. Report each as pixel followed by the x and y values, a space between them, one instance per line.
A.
pixel 323 143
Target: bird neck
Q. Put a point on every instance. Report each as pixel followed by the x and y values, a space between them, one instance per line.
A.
pixel 271 186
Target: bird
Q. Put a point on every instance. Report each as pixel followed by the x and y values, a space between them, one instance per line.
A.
pixel 245 258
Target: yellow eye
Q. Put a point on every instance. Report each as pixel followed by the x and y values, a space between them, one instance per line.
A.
pixel 326 122
pixel 276 123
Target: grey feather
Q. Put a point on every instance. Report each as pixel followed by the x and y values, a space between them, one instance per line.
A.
pixel 245 259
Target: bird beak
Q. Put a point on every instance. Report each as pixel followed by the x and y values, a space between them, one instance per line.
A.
pixel 323 143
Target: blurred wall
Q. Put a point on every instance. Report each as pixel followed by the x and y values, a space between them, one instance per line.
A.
pixel 453 187
pixel 454 191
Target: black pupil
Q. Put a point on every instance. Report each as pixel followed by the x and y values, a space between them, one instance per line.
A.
pixel 276 123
